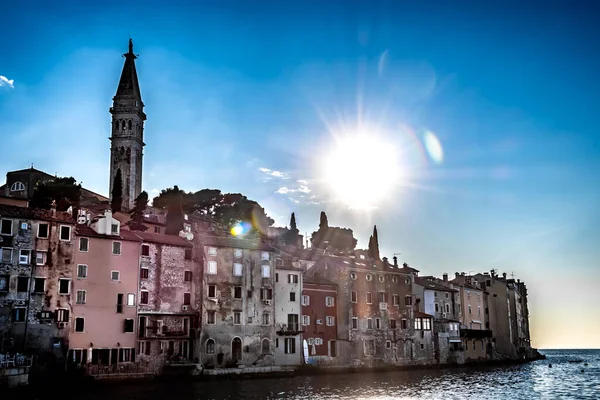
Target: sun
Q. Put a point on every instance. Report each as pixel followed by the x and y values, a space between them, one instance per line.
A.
pixel 362 169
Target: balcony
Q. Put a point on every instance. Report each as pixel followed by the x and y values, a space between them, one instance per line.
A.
pixel 289 330
pixel 475 333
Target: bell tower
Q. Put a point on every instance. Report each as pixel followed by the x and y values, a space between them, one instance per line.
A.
pixel 127 138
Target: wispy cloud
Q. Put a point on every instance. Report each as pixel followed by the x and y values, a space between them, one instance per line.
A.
pixel 273 173
pixel 5 82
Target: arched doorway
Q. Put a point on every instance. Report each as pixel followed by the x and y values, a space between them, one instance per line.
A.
pixel 236 349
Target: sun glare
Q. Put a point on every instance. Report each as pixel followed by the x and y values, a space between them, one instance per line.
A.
pixel 362 170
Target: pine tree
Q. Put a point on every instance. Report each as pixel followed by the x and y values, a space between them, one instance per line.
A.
pixel 117 192
pixel 323 223
pixel 293 226
pixel 375 237
pixel 137 215
pixel 291 236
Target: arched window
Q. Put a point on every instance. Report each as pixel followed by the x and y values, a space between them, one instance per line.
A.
pixel 129 124
pixel 236 349
pixel 17 187
pixel 210 346
pixel 123 125
pixel 266 346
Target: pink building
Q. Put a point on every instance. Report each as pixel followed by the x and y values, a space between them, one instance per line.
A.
pixel 104 294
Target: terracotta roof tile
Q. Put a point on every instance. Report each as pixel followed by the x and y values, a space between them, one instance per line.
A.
pixel 84 230
pixel 433 285
pixel 34 214
pixel 170 240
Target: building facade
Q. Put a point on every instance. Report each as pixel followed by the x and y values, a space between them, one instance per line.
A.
pixel 36 257
pixel 238 306
pixel 105 294
pixel 289 321
pixel 319 320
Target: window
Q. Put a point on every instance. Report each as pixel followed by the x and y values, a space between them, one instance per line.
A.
pixel 292 296
pixel 404 324
pixel 18 314
pixel 210 346
pixel 305 300
pixel 40 257
pixel 437 308
pixel 388 344
pixel 17 187
pixel 128 325
pixel 407 281
pixel 435 294
pixel 143 273
pixel 7 256
pixel 22 284
pixel 266 271
pixel 115 275
pixel 292 322
pixel 187 299
pixel 408 300
pixel 156 229
pixel 305 320
pixel 4 283
pixel 145 250
pixel 130 299
pixel 212 251
pixel 318 341
pixel 211 317
pixel 377 323
pixel 237 292
pixel 23 256
pixel 42 232
pixel 266 346
pixel 6 227
pixel 368 277
pixel 65 233
pixel 80 298
pixel 266 319
pixel 237 253
pixel 422 346
pixel 114 229
pixel 212 291
pixel 330 321
pixel 446 294
pixel 279 262
pixel 64 286
pixel 144 297
pixel 292 278
pixel 478 309
pixel 84 244
pixel 369 298
pixel 396 299
pixel 237 269
pixel 116 248
pixel 265 256
pixel 448 309
pixel 369 347
pixel 79 324
pixel 212 268
pixel 394 279
pixel 469 308
pixel 392 324
pixel 187 254
pixel 383 297
pixel 381 278
pixel 369 323
pixel 119 303
pixel 266 294
pixel 426 324
pixel 290 345
pixel 418 323
pixel 39 285
pixel 354 323
pixel 187 276
pixel 62 315
pixel 353 276
pixel 81 271
pixel 237 318
pixel 353 297
pixel 329 301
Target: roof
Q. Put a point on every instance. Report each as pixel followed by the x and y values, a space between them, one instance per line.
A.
pixel 170 240
pixel 317 280
pixel 84 230
pixel 236 243
pixel 128 84
pixel 431 285
pixel 419 314
pixel 34 214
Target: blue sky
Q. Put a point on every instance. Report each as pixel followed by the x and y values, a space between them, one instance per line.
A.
pixel 231 88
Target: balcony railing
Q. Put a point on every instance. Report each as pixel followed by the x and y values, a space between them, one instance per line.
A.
pixel 289 329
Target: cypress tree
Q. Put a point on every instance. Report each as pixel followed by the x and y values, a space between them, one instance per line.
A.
pixel 117 193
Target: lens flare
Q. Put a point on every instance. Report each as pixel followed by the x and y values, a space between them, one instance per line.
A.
pixel 434 147
pixel 240 229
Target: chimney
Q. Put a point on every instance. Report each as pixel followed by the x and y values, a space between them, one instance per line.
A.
pixel 108 213
pixel 395 261
pixel 53 208
pixel 445 277
pixel 405 265
pixel 385 262
pixel 456 274
pixel 504 275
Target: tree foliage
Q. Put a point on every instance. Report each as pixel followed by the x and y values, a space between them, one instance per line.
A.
pixel 137 215
pixel 334 237
pixel 66 192
pixel 117 192
pixel 227 208
pixel 292 234
pixel 374 245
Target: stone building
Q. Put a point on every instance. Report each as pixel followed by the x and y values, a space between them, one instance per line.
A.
pixel 127 138
pixel 105 288
pixel 238 307
pixel 35 279
pixel 374 313
pixel 169 299
pixel 319 320
pixel 519 311
pixel 289 321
